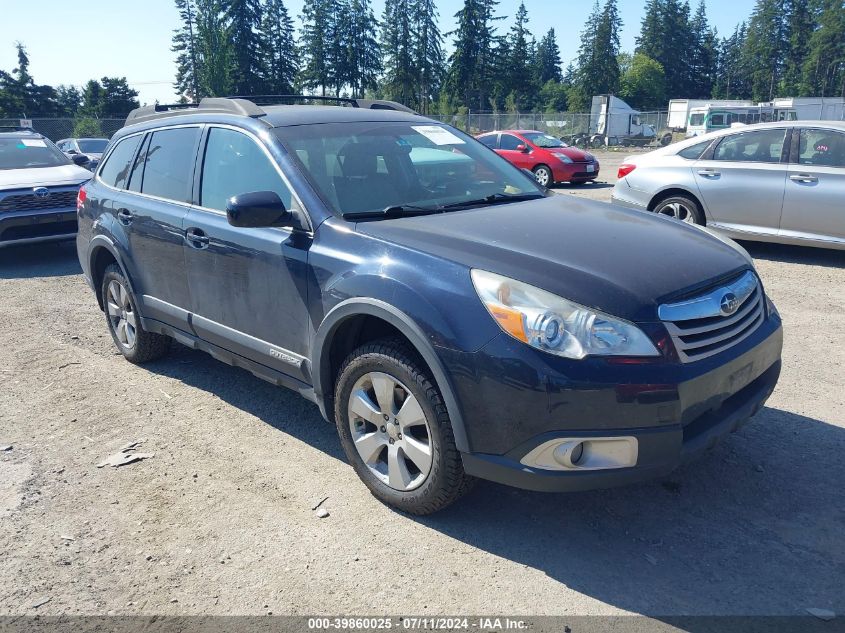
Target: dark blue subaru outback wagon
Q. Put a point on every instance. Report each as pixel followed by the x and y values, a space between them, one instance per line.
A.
pixel 451 317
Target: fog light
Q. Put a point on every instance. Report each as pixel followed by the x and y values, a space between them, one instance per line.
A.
pixel 593 453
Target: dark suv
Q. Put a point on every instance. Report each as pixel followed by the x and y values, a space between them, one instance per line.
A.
pixel 451 317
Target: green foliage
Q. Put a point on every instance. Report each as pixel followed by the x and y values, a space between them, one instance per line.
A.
pixel 86 126
pixel 554 96
pixel 598 67
pixel 547 61
pixel 278 48
pixel 824 68
pixel 643 84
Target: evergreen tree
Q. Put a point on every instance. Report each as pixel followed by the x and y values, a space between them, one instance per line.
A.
pixel 766 48
pixel 703 62
pixel 214 49
pixel 519 67
pixel 471 65
pixel 732 79
pixel 363 56
pixel 548 59
pixel 69 99
pixel 318 36
pixel 279 50
pixel 801 22
pixel 400 73
pixel 185 45
pixel 244 32
pixel 598 66
pixel 18 88
pixel 428 52
pixel 824 68
pixel 643 83
pixel 668 36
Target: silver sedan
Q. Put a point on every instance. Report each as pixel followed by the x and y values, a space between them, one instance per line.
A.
pixel 773 182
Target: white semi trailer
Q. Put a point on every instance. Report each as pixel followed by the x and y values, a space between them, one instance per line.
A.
pixel 679 110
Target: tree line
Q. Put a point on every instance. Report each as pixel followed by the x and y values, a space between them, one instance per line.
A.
pixel 341 48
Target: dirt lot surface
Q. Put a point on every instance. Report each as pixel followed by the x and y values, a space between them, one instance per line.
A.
pixel 220 520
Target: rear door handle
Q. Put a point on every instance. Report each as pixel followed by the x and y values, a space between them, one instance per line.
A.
pixel 803 178
pixel 709 173
pixel 197 238
pixel 124 216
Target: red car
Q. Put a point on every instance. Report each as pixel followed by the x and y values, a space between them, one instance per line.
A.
pixel 548 157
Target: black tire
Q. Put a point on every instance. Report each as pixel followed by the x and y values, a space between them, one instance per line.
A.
pixel 681 208
pixel 446 481
pixel 544 175
pixel 142 346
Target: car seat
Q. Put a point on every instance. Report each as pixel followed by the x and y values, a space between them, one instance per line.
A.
pixel 361 187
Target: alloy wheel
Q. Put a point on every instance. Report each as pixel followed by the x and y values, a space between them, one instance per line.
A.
pixel 542 176
pixel 679 211
pixel 122 317
pixel 390 431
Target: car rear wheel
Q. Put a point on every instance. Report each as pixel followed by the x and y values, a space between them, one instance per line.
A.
pixel 681 208
pixel 543 175
pixel 395 429
pixel 134 342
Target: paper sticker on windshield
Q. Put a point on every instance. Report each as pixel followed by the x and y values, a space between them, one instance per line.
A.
pixel 438 135
pixel 33 142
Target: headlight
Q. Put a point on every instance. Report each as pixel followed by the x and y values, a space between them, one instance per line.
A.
pixel 564 158
pixel 556 325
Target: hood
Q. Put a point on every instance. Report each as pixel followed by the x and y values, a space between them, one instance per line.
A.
pixel 43 176
pixel 620 261
pixel 578 155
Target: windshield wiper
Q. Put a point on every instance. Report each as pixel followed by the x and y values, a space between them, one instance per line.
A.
pixel 495 198
pixel 396 211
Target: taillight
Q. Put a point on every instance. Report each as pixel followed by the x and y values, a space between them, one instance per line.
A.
pixel 80 198
pixel 625 169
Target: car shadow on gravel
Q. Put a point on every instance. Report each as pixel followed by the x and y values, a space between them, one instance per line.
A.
pixel 754 527
pixel 584 187
pixel 39 260
pixel 791 254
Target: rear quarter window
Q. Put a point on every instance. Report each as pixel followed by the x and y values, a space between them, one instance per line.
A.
pixel 115 171
pixel 694 152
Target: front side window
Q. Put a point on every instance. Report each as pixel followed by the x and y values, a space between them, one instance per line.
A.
pixel 546 141
pixel 825 148
pixel 696 119
pixel 759 146
pixel 235 164
pixel 118 165
pixel 509 141
pixel 168 164
pixel 28 153
pixel 370 166
pixel 489 140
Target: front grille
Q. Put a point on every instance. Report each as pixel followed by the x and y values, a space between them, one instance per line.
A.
pixel 31 202
pixel 699 327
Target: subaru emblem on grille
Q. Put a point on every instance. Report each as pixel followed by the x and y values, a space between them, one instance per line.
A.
pixel 41 192
pixel 729 304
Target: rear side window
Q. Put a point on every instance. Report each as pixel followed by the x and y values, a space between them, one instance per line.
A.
pixel 235 164
pixel 169 163
pixel 760 146
pixel 489 140
pixel 825 148
pixel 115 172
pixel 694 152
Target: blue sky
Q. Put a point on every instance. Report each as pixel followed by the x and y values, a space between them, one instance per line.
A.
pixel 71 42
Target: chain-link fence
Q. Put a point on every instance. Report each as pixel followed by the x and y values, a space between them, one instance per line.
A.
pixel 56 129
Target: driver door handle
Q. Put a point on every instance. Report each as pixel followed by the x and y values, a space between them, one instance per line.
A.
pixel 803 178
pixel 197 238
pixel 709 173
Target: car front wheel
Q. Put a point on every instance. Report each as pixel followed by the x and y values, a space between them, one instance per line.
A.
pixel 395 429
pixel 543 175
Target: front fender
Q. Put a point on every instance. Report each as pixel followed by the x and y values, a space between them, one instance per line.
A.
pixel 357 306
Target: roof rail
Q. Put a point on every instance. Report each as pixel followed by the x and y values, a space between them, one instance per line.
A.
pixel 247 106
pixel 371 104
pixel 222 105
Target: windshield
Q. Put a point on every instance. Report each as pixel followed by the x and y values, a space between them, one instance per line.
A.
pixel 92 145
pixel 544 140
pixel 23 153
pixel 362 167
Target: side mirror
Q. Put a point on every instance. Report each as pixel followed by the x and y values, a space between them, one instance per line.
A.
pixel 522 148
pixel 79 159
pixel 257 209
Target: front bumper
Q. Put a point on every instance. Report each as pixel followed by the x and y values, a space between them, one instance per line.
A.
pixel 31 227
pixel 675 411
pixel 575 172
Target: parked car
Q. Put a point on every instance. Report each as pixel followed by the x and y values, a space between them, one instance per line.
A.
pixel 549 158
pixel 451 317
pixel 773 182
pixel 38 189
pixel 93 148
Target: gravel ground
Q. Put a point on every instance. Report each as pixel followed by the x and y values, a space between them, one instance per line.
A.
pixel 220 520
